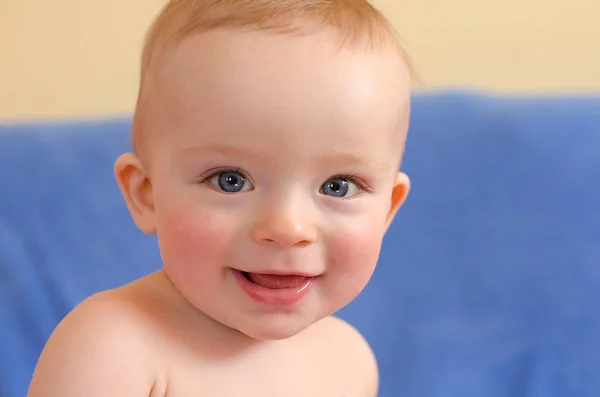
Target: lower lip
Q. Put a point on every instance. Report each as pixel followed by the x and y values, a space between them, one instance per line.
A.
pixel 281 297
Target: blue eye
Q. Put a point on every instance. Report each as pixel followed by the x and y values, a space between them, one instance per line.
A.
pixel 340 187
pixel 230 182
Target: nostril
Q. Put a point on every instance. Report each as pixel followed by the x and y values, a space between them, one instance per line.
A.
pixel 285 234
pixel 301 244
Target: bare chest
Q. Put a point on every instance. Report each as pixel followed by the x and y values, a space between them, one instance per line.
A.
pixel 256 387
pixel 260 380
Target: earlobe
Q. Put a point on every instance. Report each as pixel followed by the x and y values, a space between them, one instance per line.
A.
pixel 137 191
pixel 399 194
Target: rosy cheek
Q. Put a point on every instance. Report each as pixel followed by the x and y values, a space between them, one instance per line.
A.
pixel 190 238
pixel 356 250
pixel 352 258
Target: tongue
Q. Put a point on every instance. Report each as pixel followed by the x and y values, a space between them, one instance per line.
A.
pixel 276 281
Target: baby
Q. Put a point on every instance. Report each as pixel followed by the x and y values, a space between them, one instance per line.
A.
pixel 267 136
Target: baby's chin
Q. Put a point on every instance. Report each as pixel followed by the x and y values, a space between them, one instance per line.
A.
pixel 277 330
pixel 271 335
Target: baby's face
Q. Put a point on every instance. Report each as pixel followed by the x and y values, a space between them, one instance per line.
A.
pixel 275 155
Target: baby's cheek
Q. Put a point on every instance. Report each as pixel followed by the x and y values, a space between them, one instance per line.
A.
pixel 356 251
pixel 189 239
pixel 353 254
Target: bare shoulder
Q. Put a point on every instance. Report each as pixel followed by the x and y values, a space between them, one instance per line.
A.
pixel 99 349
pixel 345 349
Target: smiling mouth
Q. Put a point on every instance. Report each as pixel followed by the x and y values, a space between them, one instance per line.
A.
pixel 274 289
pixel 276 281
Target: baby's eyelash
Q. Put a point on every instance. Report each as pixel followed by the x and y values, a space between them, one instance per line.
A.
pixel 354 179
pixel 207 176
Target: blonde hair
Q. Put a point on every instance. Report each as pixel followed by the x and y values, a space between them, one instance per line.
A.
pixel 357 22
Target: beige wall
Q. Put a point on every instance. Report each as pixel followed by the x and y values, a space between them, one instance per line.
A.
pixel 80 57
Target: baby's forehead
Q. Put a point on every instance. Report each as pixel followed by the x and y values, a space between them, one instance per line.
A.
pixel 245 45
pixel 245 86
pixel 355 27
pixel 225 60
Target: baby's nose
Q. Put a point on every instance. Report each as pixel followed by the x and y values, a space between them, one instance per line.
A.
pixel 285 227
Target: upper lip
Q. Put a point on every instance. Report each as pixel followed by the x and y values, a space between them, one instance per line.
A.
pixel 280 273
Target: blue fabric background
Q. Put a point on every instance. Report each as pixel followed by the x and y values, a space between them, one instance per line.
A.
pixel 489 279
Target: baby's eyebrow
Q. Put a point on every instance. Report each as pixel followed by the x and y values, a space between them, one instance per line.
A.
pixel 352 159
pixel 345 159
pixel 226 150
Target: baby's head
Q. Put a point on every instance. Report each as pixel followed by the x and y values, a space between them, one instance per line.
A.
pixel 268 136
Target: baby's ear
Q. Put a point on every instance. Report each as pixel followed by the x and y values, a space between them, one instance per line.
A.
pixel 399 194
pixel 137 191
